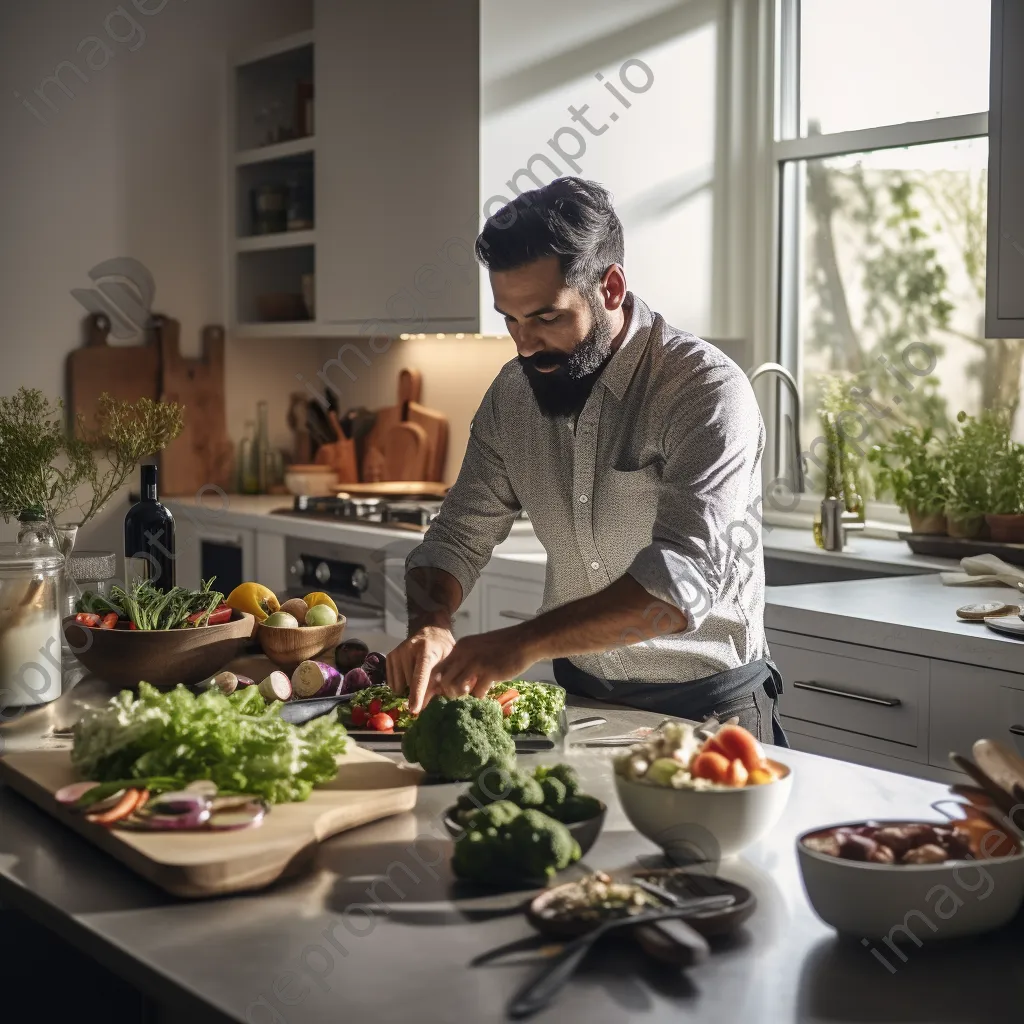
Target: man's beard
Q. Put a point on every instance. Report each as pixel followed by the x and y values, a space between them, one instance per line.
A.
pixel 564 391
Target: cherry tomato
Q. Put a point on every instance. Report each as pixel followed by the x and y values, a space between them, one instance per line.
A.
pixel 109 621
pixel 374 707
pixel 359 715
pixel 381 722
pixel 87 619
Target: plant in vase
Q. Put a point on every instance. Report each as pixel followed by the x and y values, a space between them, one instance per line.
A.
pixel 911 467
pixel 48 467
pixel 969 451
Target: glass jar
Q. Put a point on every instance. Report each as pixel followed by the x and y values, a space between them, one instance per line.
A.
pixel 30 627
pixel 34 529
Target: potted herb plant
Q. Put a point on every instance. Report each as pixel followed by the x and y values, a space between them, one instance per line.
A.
pixel 1005 515
pixel 968 453
pixel 910 466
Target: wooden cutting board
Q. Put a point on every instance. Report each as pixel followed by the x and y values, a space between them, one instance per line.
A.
pixel 127 372
pixel 202 455
pixel 405 452
pixel 435 426
pixel 193 865
pixel 397 489
pixel 374 468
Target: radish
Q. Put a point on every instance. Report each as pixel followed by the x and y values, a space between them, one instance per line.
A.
pixel 316 679
pixel 277 686
pixel 74 792
pixel 226 682
pixel 245 681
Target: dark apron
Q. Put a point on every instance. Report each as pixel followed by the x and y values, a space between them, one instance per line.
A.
pixel 695 700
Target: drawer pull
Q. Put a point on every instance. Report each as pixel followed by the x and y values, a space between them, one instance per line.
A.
pixel 1017 730
pixel 888 702
pixel 518 616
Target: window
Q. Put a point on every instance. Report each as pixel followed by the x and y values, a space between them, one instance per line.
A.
pixel 881 154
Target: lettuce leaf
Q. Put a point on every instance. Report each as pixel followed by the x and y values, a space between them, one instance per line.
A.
pixel 239 742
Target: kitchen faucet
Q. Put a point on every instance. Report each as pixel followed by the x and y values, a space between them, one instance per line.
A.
pixel 792 428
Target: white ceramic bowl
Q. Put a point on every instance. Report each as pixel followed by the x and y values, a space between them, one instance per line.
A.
pixel 691 824
pixel 894 902
pixel 314 481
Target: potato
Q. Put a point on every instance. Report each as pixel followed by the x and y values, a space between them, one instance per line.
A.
pixel 297 607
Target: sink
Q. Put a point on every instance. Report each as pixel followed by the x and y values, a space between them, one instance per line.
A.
pixel 787 572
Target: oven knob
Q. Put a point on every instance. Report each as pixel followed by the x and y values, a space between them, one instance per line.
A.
pixel 322 573
pixel 360 579
pixel 298 567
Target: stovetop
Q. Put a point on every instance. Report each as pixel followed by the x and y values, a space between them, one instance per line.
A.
pixel 402 514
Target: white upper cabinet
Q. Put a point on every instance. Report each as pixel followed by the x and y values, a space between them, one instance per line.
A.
pixel 397 89
pixel 1004 313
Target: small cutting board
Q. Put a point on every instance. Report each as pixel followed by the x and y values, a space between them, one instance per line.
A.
pixel 193 865
pixel 435 425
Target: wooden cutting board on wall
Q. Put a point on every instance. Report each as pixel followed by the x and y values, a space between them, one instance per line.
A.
pixel 203 454
pixel 126 372
pixel 199 864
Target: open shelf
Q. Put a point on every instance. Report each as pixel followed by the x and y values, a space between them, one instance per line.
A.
pixel 277 151
pixel 278 240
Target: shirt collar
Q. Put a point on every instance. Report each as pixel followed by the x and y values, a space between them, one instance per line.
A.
pixel 620 370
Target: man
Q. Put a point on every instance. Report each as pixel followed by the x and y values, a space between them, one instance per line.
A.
pixel 636 450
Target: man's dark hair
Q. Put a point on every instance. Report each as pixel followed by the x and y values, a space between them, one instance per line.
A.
pixel 571 218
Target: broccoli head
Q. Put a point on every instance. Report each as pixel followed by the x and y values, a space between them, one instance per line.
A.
pixel 482 856
pixel 540 844
pixel 458 739
pixel 501 812
pixel 578 808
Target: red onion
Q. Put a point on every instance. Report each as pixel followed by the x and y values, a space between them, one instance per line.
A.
pixel 316 679
pixel 355 679
pixel 349 654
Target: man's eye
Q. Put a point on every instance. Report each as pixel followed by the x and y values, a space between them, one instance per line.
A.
pixel 549 320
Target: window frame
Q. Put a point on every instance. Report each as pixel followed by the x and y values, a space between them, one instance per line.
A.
pixel 780 269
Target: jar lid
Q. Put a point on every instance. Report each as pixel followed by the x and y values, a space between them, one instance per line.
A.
pixel 29 558
pixel 92 566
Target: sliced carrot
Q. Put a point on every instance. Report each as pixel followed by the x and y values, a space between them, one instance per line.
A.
pixel 506 709
pixel 507 697
pixel 121 809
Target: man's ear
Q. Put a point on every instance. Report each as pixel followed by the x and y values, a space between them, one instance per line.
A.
pixel 613 287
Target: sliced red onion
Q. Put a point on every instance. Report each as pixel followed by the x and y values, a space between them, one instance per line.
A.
pixel 99 806
pixel 247 814
pixel 148 822
pixel 316 679
pixel 183 802
pixel 355 679
pixel 244 681
pixel 276 686
pixel 73 793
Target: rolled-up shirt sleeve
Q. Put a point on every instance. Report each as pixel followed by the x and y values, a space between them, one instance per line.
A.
pixel 479 509
pixel 712 451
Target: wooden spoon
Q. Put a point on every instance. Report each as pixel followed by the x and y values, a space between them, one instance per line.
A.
pixel 1003 765
pixel 1002 798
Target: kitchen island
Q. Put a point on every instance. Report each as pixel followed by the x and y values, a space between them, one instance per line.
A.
pixel 379 932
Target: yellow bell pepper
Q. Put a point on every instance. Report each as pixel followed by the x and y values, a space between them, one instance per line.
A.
pixel 254 598
pixel 319 597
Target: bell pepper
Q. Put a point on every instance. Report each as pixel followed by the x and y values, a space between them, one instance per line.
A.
pixel 221 614
pixel 257 600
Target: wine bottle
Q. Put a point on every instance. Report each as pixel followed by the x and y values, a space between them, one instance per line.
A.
pixel 149 538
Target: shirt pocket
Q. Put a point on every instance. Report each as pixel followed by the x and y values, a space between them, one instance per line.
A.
pixel 625 510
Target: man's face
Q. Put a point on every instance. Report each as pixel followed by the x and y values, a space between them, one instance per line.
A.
pixel 563 337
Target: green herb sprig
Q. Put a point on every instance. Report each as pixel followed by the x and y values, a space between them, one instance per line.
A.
pixel 150 608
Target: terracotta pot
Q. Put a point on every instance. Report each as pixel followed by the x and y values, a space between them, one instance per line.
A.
pixel 1008 529
pixel 932 523
pixel 967 529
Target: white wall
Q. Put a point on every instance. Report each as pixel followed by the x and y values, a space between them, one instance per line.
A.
pixel 130 165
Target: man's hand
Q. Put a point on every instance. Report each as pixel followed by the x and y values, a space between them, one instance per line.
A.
pixel 411 664
pixel 477 662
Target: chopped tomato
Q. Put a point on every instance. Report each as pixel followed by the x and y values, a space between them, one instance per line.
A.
pixel 219 615
pixel 87 619
pixel 131 625
pixel 109 621
pixel 374 707
pixel 359 715
pixel 381 722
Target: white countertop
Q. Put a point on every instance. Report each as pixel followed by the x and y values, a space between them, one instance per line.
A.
pixel 912 614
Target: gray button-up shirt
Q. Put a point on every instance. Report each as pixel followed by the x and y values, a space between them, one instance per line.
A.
pixel 659 479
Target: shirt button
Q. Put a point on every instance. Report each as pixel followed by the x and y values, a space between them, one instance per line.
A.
pixel 583 499
pixel 595 565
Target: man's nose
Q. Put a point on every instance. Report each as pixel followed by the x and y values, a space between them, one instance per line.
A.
pixel 529 342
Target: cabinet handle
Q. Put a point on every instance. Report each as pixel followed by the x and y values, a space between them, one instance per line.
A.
pixel 518 616
pixel 889 702
pixel 1017 730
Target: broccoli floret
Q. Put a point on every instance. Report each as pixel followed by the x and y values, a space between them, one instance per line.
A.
pixel 524 790
pixel 554 795
pixel 541 844
pixel 457 739
pixel 501 812
pixel 578 808
pixel 531 846
pixel 565 774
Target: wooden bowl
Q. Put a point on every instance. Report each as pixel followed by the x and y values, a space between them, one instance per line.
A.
pixel 162 657
pixel 288 646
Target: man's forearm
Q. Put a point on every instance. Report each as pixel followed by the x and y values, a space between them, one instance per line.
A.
pixel 623 613
pixel 433 597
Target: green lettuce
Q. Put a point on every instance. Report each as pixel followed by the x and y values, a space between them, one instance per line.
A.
pixel 239 742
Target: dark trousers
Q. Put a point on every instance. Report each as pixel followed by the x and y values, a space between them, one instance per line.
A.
pixel 749 693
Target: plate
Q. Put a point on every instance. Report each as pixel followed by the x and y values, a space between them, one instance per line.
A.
pixel 1007 625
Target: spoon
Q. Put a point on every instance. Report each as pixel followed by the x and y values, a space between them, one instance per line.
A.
pixel 552 977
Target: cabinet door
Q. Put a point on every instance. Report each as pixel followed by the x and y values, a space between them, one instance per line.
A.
pixel 1004 307
pixel 397 165
pixel 965 706
pixel 504 602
